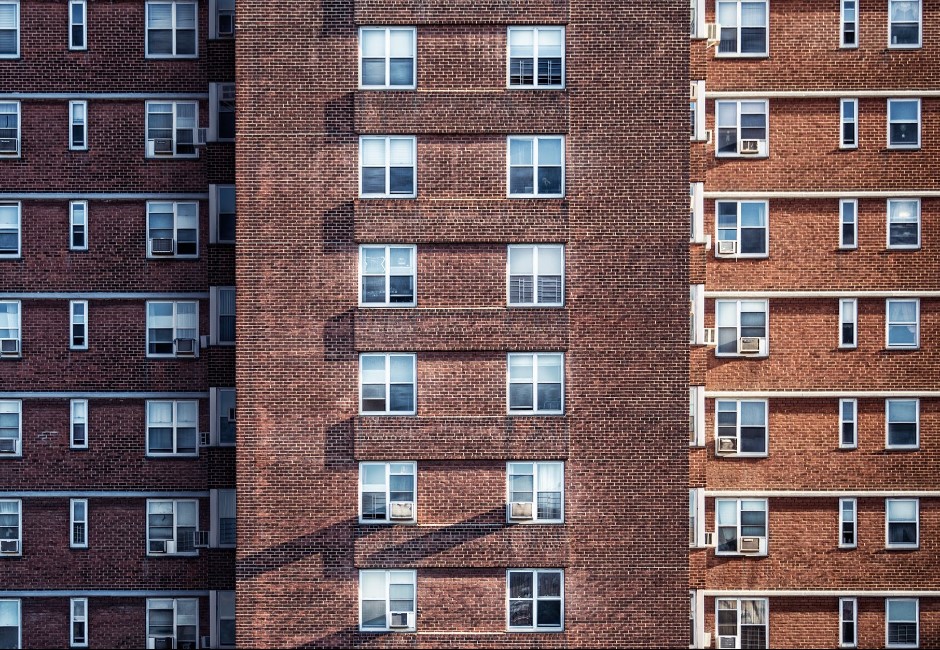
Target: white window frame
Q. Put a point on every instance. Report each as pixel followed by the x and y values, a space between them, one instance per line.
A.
pixel 217 95
pixel 175 155
pixel 388 609
pixel 697 416
pixel 697 213
pixel 75 520
pixel 215 315
pixel 845 521
pixel 697 110
pixel 844 121
pixel 176 526
pixel 738 304
pixel 764 150
pixel 917 208
pixel 72 25
pixel 215 400
pixel 848 315
pixel 176 228
pixel 215 205
pixel 16 18
pixel 388 57
pixel 388 521
pixel 888 621
pixel 536 466
pixel 19 528
pixel 697 19
pixel 738 403
pixel 535 248
pixel 888 522
pixel 388 276
pixel 75 222
pixel 535 410
pixel 74 319
pixel 19 324
pixel 843 21
pixel 889 323
pixel 843 422
pixel 535 85
pixel 535 139
pixel 738 228
pixel 888 444
pixel 843 204
pixel 919 122
pixel 173 21
pixel 176 624
pixel 19 618
pixel 853 603
pixel 697 517
pixel 83 123
pixel 697 314
pixel 387 194
pixel 215 518
pixel 176 329
pixel 738 601
pixel 738 505
pixel 78 618
pixel 175 425
pixel 388 383
pixel 738 27
pixel 19 231
pixel 19 119
pixel 920 29
pixel 215 12
pixel 78 415
pixel 8 406
pixel 535 627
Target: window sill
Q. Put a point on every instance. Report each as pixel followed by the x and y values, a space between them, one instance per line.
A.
pixel 172 555
pixel 553 305
pixel 743 256
pixel 736 156
pixel 387 414
pixel 535 196
pixel 535 413
pixel 171 57
pixel 736 55
pixel 509 87
pixel 903 147
pixel 899 348
pixel 902 548
pixel 399 305
pixel 901 249
pixel 179 157
pixel 535 630
pixel 902 448
pixel 390 88
pixel 171 456
pixel 741 356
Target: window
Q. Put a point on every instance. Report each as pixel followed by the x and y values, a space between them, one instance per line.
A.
pixel 387 384
pixel 387 276
pixel 697 110
pixel 536 383
pixel 79 424
pixel 78 126
pixel 903 423
pixel 697 416
pixel 222 319
pixel 11 528
pixel 221 18
pixel 849 122
pixel 903 323
pixel 743 622
pixel 225 511
pixel 848 522
pixel 171 29
pixel 78 636
pixel 172 329
pixel 9 117
pixel 171 526
pixel 10 329
pixel 696 517
pixel 536 492
pixel 78 315
pixel 848 221
pixel 742 128
pixel 739 319
pixel 10 618
pixel 848 621
pixel 741 427
pixel 225 608
pixel 172 229
pixel 902 615
pixel 697 212
pixel 903 223
pixel 387 167
pixel 223 419
pixel 11 427
pixel 78 225
pixel 536 57
pixel 171 129
pixel 903 123
pixel 9 229
pixel 387 57
pixel 697 314
pixel 742 228
pixel 387 493
pixel 10 29
pixel 536 275
pixel 742 526
pixel 536 166
pixel 904 23
pixel 387 600
pixel 743 28
pixel 849 34
pixel 172 622
pixel 697 22
pixel 848 323
pixel 77 28
pixel 172 428
pixel 222 214
pixel 222 112
pixel 536 600
pixel 78 521
pixel 902 522
pixel 848 408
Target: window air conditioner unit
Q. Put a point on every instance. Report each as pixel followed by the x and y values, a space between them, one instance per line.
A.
pixel 9 146
pixel 401 510
pixel 709 539
pixel 161 246
pixel 226 24
pixel 726 446
pixel 9 347
pixel 727 642
pixel 402 619
pixel 231 415
pixel 707 640
pixel 160 643
pixel 201 136
pixel 749 545
pixel 9 546
pixel 520 510
pixel 749 147
pixel 749 345
pixel 8 446
pixel 711 337
pixel 727 247
pixel 185 347
pixel 712 34
pixel 201 539
pixel 158 546
pixel 160 147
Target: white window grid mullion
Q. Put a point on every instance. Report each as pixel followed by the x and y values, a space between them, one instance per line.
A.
pixel 854 621
pixel 388 166
pixel 387 263
pixel 173 29
pixel 388 57
pixel 388 383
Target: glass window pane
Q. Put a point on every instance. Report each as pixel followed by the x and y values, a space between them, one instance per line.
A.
pixel 520 584
pixel 401 42
pixel 549 151
pixel 402 369
pixel 373 152
pixel 550 261
pixel 521 43
pixel 520 151
pixel 401 152
pixel 549 583
pixel 549 613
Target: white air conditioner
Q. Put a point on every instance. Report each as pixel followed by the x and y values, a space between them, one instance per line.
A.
pixel 203 340
pixel 9 146
pixel 520 510
pixel 724 446
pixel 8 446
pixel 401 510
pixel 727 247
pixel 9 347
pixel 749 545
pixel 205 439
pixel 162 246
pixel 159 147
pixel 711 336
pixel 165 642
pixel 728 642
pixel 712 34
pixel 201 539
pixel 708 136
pixel 707 640
pixel 201 136
pixel 185 347
pixel 170 546
pixel 749 147
pixel 750 345
pixel 10 546
pixel 710 539
pixel 401 619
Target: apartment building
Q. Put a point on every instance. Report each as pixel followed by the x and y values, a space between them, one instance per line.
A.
pixel 117 502
pixel 461 272
pixel 815 321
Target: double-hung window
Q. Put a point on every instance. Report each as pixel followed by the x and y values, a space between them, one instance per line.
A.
pixel 225 515
pixel 697 213
pixel 902 523
pixel 536 275
pixel 742 228
pixel 78 125
pixel 903 123
pixel 902 617
pixel 172 229
pixel 78 28
pixel 172 526
pixel 902 419
pixel 387 600
pixel 697 110
pixel 696 522
pixel 535 600
pixel 387 57
pixel 78 324
pixel 78 225
pixel 536 383
pixel 848 133
pixel 848 523
pixel 848 323
pixel 172 428
pixel 742 327
pixel 536 57
pixel 742 526
pixel 222 112
pixel 9 124
pixel 222 319
pixel 171 29
pixel 387 493
pixel 225 613
pixel 171 129
pixel 742 622
pixel 222 407
pixel 78 620
pixel 848 223
pixel 9 230
pixel 848 421
pixel 11 428
pixel 222 214
pixel 744 28
pixel 387 384
pixel 848 36
pixel 536 492
pixel 78 424
pixel 697 19
pixel 172 328
pixel 9 29
pixel 387 275
pixel 387 167
pixel 10 345
pixel 11 528
pixel 903 323
pixel 172 622
pixel 848 622
pixel 903 223
pixel 742 128
pixel 697 314
pixel 696 416
pixel 78 523
pixel 221 18
pixel 904 23
pixel 536 166
pixel 741 427
pixel 10 624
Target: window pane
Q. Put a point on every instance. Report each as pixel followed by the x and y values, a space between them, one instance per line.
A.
pixel 549 583
pixel 549 151
pixel 401 43
pixel 373 612
pixel 373 152
pixel 402 369
pixel 521 43
pixel 521 261
pixel 401 152
pixel 373 43
pixel 549 613
pixel 520 613
pixel 520 584
pixel 520 152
